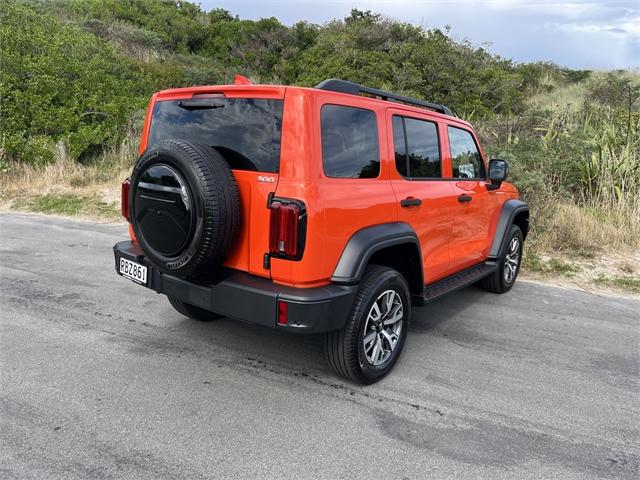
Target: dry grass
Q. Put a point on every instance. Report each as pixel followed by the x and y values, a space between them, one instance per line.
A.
pixel 566 97
pixel 22 184
pixel 582 231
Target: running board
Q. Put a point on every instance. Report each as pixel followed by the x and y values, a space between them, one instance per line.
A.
pixel 459 280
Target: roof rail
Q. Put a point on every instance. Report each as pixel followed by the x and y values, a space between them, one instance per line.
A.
pixel 343 86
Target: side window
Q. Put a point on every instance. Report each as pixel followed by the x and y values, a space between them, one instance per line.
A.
pixel 465 157
pixel 417 149
pixel 350 146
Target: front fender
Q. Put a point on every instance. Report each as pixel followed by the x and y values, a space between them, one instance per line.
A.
pixel 510 210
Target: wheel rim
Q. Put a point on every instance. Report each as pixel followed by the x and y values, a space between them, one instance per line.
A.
pixel 383 327
pixel 512 260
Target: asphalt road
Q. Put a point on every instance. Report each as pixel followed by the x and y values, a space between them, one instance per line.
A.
pixel 101 379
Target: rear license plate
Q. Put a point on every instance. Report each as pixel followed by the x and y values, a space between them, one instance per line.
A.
pixel 133 271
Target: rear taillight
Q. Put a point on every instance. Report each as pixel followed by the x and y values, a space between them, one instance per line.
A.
pixel 284 234
pixel 124 198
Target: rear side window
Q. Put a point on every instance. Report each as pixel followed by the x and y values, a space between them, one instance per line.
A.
pixel 465 157
pixel 350 146
pixel 245 131
pixel 417 149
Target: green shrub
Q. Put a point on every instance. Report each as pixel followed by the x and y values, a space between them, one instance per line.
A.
pixel 59 82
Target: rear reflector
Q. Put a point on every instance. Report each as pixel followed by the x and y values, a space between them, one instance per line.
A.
pixel 283 314
pixel 124 198
pixel 283 234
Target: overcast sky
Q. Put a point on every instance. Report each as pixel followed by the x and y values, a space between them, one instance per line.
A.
pixel 574 33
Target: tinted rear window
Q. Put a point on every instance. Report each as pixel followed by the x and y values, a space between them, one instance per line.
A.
pixel 245 131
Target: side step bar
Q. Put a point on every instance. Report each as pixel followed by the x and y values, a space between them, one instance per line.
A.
pixel 459 280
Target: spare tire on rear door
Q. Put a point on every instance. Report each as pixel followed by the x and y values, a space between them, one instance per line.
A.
pixel 185 207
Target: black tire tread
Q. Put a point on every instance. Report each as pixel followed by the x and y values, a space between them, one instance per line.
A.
pixel 494 283
pixel 340 356
pixel 222 215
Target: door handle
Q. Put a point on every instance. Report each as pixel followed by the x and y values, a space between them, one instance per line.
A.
pixel 465 198
pixel 410 202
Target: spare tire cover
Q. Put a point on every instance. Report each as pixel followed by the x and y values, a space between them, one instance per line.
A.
pixel 185 207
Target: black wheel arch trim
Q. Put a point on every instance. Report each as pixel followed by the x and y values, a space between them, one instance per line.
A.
pixel 364 243
pixel 510 209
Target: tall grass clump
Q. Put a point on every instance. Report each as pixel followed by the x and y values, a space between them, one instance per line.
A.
pixel 611 175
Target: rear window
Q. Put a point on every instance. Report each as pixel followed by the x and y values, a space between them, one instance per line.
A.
pixel 245 131
pixel 350 146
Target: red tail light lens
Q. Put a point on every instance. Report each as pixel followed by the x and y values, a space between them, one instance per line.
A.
pixel 283 313
pixel 124 198
pixel 283 235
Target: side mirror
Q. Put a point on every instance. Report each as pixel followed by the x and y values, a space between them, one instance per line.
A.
pixel 498 170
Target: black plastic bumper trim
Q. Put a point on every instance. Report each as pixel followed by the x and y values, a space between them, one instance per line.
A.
pixel 249 298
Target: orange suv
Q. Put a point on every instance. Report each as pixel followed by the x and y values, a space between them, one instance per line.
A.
pixel 332 210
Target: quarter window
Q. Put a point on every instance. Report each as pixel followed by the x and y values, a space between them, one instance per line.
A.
pixel 350 147
pixel 417 150
pixel 465 157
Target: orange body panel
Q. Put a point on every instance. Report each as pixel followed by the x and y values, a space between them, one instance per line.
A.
pixel 431 220
pixel 452 235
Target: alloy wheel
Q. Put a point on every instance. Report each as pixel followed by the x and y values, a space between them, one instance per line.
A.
pixel 512 260
pixel 383 327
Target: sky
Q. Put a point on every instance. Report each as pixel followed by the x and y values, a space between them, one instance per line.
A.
pixel 573 33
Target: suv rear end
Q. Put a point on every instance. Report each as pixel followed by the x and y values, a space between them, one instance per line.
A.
pixel 245 125
pixel 264 135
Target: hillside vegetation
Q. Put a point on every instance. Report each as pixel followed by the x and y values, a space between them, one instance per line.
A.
pixel 76 76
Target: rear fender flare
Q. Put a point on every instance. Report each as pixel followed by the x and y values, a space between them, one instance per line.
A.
pixel 364 243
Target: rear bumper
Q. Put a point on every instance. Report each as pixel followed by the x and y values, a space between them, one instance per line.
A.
pixel 253 299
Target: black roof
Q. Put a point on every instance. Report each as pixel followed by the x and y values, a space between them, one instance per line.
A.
pixel 343 86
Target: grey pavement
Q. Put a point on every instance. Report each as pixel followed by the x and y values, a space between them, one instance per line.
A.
pixel 100 378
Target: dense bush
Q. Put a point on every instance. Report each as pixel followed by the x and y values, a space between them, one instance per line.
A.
pixel 179 24
pixel 74 71
pixel 58 82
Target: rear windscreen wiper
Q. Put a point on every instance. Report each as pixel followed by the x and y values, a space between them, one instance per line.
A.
pixel 199 105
